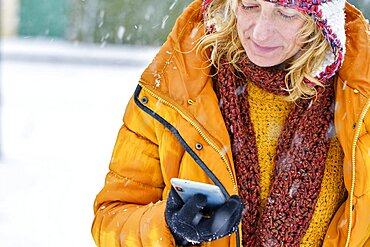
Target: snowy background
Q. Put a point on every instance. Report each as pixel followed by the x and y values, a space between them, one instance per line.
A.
pixel 61 109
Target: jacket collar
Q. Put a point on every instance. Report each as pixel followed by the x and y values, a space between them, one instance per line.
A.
pixel 355 71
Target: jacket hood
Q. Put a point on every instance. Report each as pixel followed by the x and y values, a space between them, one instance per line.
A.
pixel 355 71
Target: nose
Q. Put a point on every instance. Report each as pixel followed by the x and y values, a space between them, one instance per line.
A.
pixel 263 28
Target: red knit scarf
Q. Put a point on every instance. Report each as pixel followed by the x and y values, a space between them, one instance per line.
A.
pixel 300 155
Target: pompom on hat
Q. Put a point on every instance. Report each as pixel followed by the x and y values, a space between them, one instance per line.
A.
pixel 330 17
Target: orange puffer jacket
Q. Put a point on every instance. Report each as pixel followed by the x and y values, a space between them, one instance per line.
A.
pixel 173 128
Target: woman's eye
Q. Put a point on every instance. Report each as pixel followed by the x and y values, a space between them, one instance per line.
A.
pixel 249 6
pixel 287 16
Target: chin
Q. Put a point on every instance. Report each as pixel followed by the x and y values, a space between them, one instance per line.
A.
pixel 263 62
pixel 263 59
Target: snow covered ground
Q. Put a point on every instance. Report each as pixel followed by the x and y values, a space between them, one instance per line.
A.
pixel 61 108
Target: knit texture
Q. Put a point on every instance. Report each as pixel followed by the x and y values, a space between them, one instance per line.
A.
pixel 300 155
pixel 268 113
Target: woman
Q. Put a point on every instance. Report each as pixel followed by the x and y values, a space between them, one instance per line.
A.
pixel 268 100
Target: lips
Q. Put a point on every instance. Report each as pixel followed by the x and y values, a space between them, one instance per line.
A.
pixel 263 49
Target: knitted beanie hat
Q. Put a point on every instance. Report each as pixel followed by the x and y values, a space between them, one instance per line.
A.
pixel 330 18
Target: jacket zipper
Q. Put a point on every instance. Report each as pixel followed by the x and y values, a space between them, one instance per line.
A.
pixel 354 145
pixel 208 140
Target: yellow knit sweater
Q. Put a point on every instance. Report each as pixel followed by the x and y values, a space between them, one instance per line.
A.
pixel 268 113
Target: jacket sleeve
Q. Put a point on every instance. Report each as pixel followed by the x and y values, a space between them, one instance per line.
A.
pixel 129 210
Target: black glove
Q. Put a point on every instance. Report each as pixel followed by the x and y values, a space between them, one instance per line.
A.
pixel 190 224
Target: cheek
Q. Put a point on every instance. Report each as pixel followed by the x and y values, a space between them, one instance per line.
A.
pixel 293 33
pixel 242 26
pixel 292 38
pixel 239 29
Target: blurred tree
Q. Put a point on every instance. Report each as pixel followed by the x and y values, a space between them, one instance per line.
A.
pixel 137 22
pixel 83 17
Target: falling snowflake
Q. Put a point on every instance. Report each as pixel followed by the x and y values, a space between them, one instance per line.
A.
pixel 294 188
pixel 240 90
pixel 173 5
pixel 164 21
pixel 120 32
pixel 194 32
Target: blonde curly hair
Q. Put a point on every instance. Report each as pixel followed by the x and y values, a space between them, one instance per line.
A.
pixel 224 42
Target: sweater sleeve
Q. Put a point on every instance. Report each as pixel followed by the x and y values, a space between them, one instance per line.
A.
pixel 129 210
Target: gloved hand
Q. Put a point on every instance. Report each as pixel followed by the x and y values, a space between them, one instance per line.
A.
pixel 189 224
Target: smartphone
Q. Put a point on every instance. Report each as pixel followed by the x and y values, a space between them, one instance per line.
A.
pixel 187 188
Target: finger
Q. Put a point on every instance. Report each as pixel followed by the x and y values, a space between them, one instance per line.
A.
pixel 237 202
pixel 227 216
pixel 192 207
pixel 233 204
